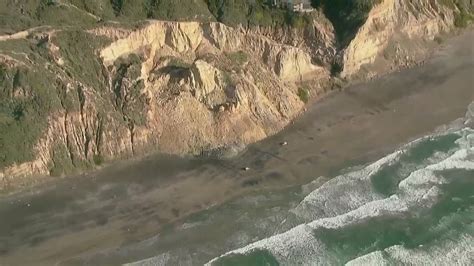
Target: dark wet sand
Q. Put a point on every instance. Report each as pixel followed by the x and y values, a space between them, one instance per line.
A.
pixel 131 201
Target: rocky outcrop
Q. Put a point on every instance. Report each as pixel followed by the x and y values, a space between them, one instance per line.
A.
pixel 206 79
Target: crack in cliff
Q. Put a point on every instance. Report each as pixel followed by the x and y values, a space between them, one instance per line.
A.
pixel 85 125
pixel 68 142
pixel 98 134
pixel 62 90
pixel 132 136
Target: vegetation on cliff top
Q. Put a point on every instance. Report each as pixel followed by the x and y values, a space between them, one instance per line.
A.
pixel 19 15
pixel 346 16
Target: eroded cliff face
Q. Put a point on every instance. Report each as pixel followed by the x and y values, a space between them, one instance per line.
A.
pixel 189 87
pixel 397 33
pixel 174 87
pixel 210 86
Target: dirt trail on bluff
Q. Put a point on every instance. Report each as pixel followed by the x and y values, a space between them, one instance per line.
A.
pixel 85 219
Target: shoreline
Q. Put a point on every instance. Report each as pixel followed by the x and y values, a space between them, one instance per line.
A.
pixel 131 201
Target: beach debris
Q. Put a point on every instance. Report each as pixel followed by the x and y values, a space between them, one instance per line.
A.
pixel 245 168
pixel 284 143
pixel 28 205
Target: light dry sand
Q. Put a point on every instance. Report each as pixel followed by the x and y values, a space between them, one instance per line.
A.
pixel 131 201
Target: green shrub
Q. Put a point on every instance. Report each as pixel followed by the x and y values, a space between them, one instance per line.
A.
pixel 462 19
pixel 336 68
pixel 238 58
pixel 463 9
pixel 298 21
pixel 228 81
pixel 117 6
pixel 303 94
pixel 178 63
pixel 438 39
pixel 98 159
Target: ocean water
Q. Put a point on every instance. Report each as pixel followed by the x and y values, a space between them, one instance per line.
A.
pixel 414 206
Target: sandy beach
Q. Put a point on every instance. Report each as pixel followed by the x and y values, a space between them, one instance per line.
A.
pixel 130 201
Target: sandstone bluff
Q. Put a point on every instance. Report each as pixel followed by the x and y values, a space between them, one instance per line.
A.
pixel 193 87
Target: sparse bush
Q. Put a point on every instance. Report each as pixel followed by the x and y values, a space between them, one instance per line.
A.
pixel 228 81
pixel 463 15
pixel 336 68
pixel 178 63
pixel 238 58
pixel 117 6
pixel 438 39
pixel 462 19
pixel 298 21
pixel 98 159
pixel 303 94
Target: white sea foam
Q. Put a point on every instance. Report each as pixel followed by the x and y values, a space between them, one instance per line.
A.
pixel 293 243
pixel 350 199
pixel 470 115
pixel 300 246
pixel 448 252
pixel 155 261
pixel 320 203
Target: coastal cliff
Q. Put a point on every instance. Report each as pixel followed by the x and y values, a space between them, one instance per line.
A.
pixel 397 33
pixel 74 98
